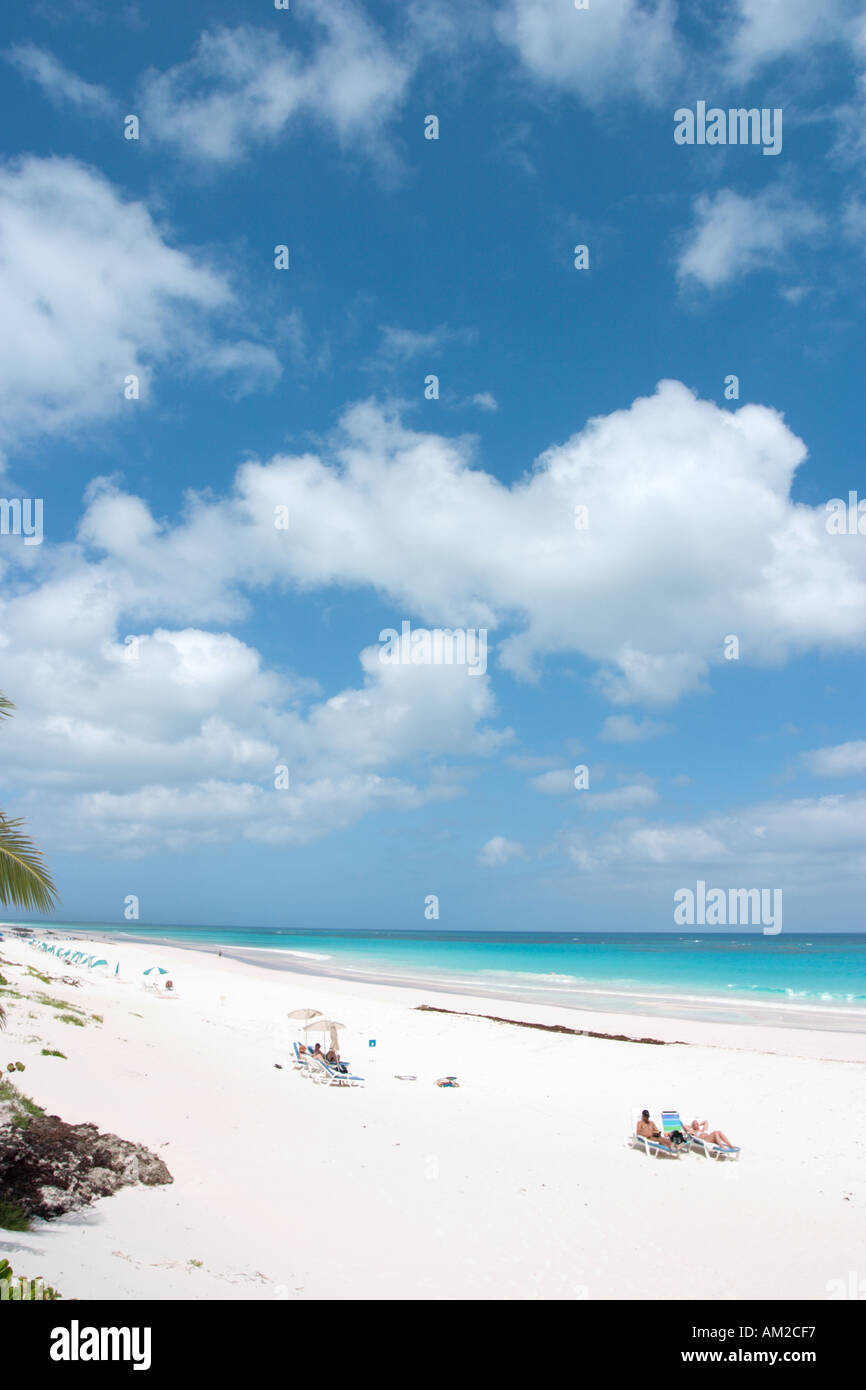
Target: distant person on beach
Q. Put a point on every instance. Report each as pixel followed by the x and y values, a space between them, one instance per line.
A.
pixel 647 1130
pixel 333 1060
pixel 698 1130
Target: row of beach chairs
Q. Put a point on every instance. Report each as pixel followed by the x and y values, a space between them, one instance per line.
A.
pixel 671 1122
pixel 321 1073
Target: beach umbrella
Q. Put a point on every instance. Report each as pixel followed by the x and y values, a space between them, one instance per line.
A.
pixel 150 969
pixel 304 1013
pixel 326 1025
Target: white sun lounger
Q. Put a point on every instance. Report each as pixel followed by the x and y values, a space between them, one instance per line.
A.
pixel 303 1062
pixel 330 1076
pixel 711 1150
pixel 651 1147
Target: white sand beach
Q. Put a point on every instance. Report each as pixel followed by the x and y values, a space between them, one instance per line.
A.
pixel 517 1185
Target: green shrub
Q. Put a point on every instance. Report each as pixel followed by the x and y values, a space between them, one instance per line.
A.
pixel 19 1066
pixel 53 1052
pixel 13 1217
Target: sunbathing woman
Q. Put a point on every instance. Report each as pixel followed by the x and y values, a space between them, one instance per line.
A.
pixel 698 1130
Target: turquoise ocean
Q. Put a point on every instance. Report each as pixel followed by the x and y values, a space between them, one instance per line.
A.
pixel 816 980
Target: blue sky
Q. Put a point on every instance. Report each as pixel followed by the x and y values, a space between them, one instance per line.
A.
pixel 147 766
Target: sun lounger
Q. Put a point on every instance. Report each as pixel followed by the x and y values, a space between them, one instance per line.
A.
pixel 710 1150
pixel 306 1063
pixel 330 1076
pixel 651 1147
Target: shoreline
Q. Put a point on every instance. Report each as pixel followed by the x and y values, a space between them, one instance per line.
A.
pixel 689 1009
pixel 794 1037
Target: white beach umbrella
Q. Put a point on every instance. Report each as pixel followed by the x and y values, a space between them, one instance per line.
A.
pixel 304 1013
pixel 325 1025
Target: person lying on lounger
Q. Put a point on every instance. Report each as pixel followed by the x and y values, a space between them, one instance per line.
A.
pixel 333 1060
pixel 698 1130
pixel 647 1130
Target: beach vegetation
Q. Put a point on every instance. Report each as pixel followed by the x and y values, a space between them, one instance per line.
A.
pixel 50 1003
pixel 23 1107
pixel 13 1217
pixel 38 975
pixel 73 1019
pixel 24 879
pixel 22 1288
pixel 54 1052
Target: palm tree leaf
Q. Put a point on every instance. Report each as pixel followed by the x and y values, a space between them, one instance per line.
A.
pixel 24 879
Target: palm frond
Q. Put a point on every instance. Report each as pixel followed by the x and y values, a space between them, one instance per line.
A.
pixel 24 879
pixel 6 705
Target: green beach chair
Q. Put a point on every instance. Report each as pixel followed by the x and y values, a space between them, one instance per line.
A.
pixel 672 1124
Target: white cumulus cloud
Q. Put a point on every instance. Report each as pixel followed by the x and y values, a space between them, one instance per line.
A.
pixel 733 234
pixel 92 291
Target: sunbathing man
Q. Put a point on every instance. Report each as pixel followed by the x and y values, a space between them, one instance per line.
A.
pixel 647 1130
pixel 698 1130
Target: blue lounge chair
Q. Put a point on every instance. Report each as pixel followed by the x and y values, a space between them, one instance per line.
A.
pixel 332 1076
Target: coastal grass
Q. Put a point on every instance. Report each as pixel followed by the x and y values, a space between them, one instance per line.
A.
pixel 73 1019
pixel 38 975
pixel 46 999
pixel 24 1109
pixel 53 1052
